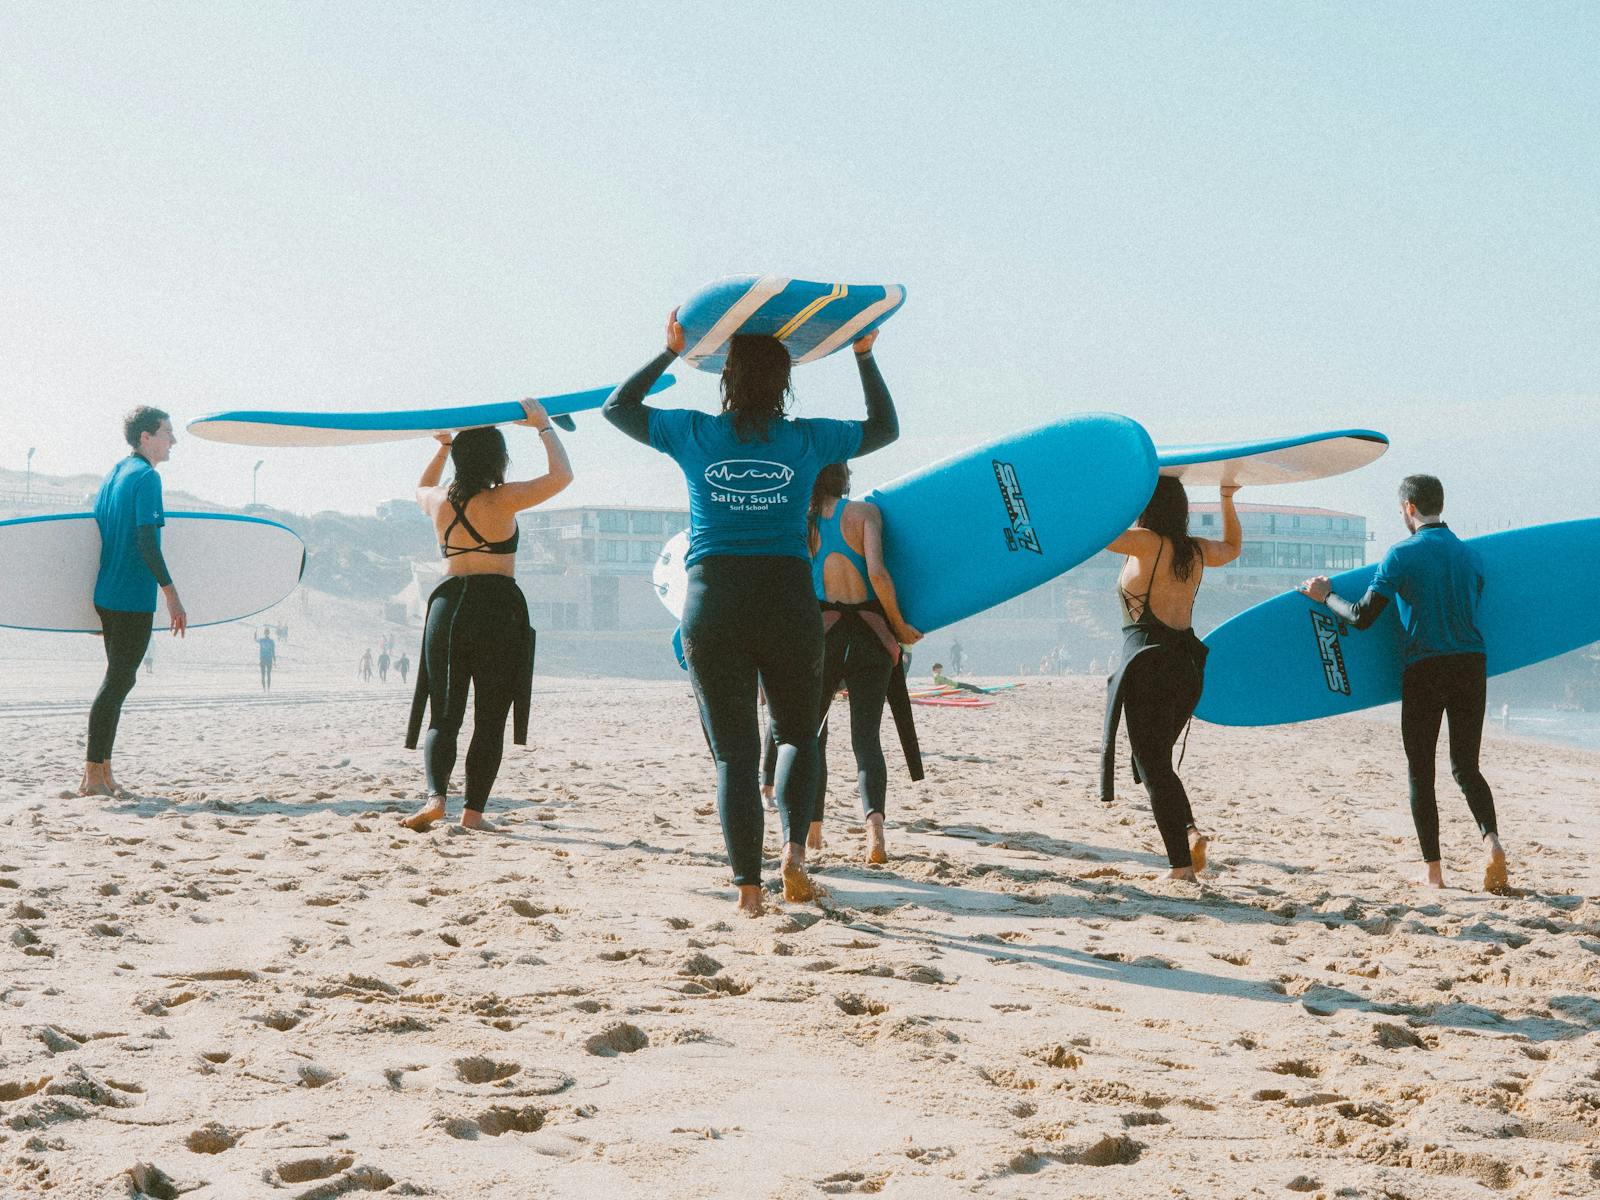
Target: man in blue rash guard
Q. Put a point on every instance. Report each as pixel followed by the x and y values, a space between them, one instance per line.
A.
pixel 1436 581
pixel 129 512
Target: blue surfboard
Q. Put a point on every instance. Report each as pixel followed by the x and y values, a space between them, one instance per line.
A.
pixel 1273 460
pixel 984 526
pixel 1289 659
pixel 811 319
pixel 267 427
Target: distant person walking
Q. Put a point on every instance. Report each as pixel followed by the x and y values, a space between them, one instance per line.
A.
pixel 129 513
pixel 269 655
pixel 403 665
pixel 365 669
pixel 383 667
pixel 1436 581
pixel 958 660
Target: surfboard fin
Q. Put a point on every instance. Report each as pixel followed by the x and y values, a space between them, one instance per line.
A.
pixel 565 422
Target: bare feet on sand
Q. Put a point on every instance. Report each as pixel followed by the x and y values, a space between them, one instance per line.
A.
pixel 876 853
pixel 1432 875
pixel 814 836
pixel 97 781
pixel 475 821
pixel 1184 873
pixel 421 820
pixel 797 887
pixel 1198 842
pixel 750 904
pixel 769 797
pixel 1495 877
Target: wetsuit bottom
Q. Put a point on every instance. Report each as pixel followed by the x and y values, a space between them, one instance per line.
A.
pixel 266 673
pixel 1453 685
pixel 127 637
pixel 749 616
pixel 1159 697
pixel 472 638
pixel 853 655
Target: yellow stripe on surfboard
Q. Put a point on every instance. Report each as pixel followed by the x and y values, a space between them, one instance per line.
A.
pixel 811 310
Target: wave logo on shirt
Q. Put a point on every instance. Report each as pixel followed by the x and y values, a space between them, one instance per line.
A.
pixel 1329 649
pixel 1021 535
pixel 752 476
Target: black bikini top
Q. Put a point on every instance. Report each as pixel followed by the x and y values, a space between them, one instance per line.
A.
pixel 484 546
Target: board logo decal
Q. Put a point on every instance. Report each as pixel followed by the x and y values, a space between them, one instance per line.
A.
pixel 1021 535
pixel 1327 630
pixel 749 475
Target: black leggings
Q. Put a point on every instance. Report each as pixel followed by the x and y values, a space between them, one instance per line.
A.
pixel 853 656
pixel 1453 685
pixel 472 637
pixel 1159 695
pixel 127 637
pixel 743 617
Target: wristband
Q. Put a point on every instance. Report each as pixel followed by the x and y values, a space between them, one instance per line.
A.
pixel 544 431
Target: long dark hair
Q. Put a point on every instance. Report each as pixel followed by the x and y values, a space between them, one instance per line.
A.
pixel 755 384
pixel 1167 514
pixel 480 461
pixel 833 483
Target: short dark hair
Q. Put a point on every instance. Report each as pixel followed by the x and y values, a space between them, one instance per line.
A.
pixel 1425 491
pixel 142 420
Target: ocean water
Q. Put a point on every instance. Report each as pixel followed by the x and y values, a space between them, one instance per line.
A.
pixel 1549 725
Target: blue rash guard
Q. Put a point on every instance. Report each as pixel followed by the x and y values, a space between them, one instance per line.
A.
pixel 128 509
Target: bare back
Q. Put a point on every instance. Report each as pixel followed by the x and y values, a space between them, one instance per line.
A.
pixel 1149 585
pixel 495 522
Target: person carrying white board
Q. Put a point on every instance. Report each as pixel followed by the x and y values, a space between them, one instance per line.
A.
pixel 1159 680
pixel 128 510
pixel 1436 581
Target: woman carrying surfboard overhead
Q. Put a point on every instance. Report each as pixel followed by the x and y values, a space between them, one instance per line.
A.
pixel 863 634
pixel 1162 670
pixel 476 633
pixel 750 608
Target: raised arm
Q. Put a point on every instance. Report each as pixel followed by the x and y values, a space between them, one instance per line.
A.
pixel 1362 614
pixel 1220 554
pixel 1135 541
pixel 882 426
pixel 872 543
pixel 625 408
pixel 434 471
pixel 558 469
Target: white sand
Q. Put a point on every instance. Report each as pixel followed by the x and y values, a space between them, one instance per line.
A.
pixel 254 982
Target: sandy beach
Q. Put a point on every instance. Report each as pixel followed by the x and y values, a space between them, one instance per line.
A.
pixel 250 982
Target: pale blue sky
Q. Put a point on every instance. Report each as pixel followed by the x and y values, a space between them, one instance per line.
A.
pixel 1223 220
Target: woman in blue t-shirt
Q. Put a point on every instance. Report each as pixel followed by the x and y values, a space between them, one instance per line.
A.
pixel 750 609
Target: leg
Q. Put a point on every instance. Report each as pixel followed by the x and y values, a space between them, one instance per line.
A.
pixel 791 649
pixel 868 672
pixel 447 700
pixel 493 691
pixel 834 647
pixel 1148 712
pixel 769 766
pixel 1464 708
pixel 126 636
pixel 1421 710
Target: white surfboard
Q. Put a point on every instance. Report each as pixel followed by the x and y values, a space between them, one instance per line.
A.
pixel 225 567
pixel 670 576
pixel 1275 460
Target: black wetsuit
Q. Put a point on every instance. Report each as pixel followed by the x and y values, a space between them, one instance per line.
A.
pixel 476 634
pixel 125 635
pixel 1157 686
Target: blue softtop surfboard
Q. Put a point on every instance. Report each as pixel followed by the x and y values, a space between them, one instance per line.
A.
pixel 1273 460
pixel 266 427
pixel 811 319
pixel 1289 659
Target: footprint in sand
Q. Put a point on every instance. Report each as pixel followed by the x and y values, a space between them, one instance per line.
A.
pixel 211 1138
pixel 615 1039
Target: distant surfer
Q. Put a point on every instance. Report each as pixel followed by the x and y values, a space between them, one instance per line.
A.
pixel 476 630
pixel 268 656
pixel 1436 581
pixel 940 679
pixel 383 667
pixel 751 610
pixel 1158 681
pixel 403 665
pixel 128 510
pixel 864 631
pixel 364 668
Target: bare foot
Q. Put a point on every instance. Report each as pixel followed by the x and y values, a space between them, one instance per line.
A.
pixel 750 902
pixel 876 853
pixel 796 883
pixel 814 836
pixel 1496 879
pixel 475 821
pixel 769 797
pixel 421 820
pixel 1432 876
pixel 1197 849
pixel 97 781
pixel 1184 873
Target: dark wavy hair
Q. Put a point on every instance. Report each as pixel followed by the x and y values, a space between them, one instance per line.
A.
pixel 1167 514
pixel 141 420
pixel 833 483
pixel 480 461
pixel 755 384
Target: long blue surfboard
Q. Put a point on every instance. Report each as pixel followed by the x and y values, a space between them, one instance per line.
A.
pixel 1273 460
pixel 268 427
pixel 986 525
pixel 1289 659
pixel 811 319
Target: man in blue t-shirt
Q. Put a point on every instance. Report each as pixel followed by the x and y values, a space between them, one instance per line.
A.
pixel 269 656
pixel 129 513
pixel 1435 581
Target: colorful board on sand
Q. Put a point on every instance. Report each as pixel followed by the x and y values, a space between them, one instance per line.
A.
pixel 225 567
pixel 986 525
pixel 265 427
pixel 1288 659
pixel 811 319
pixel 1273 460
